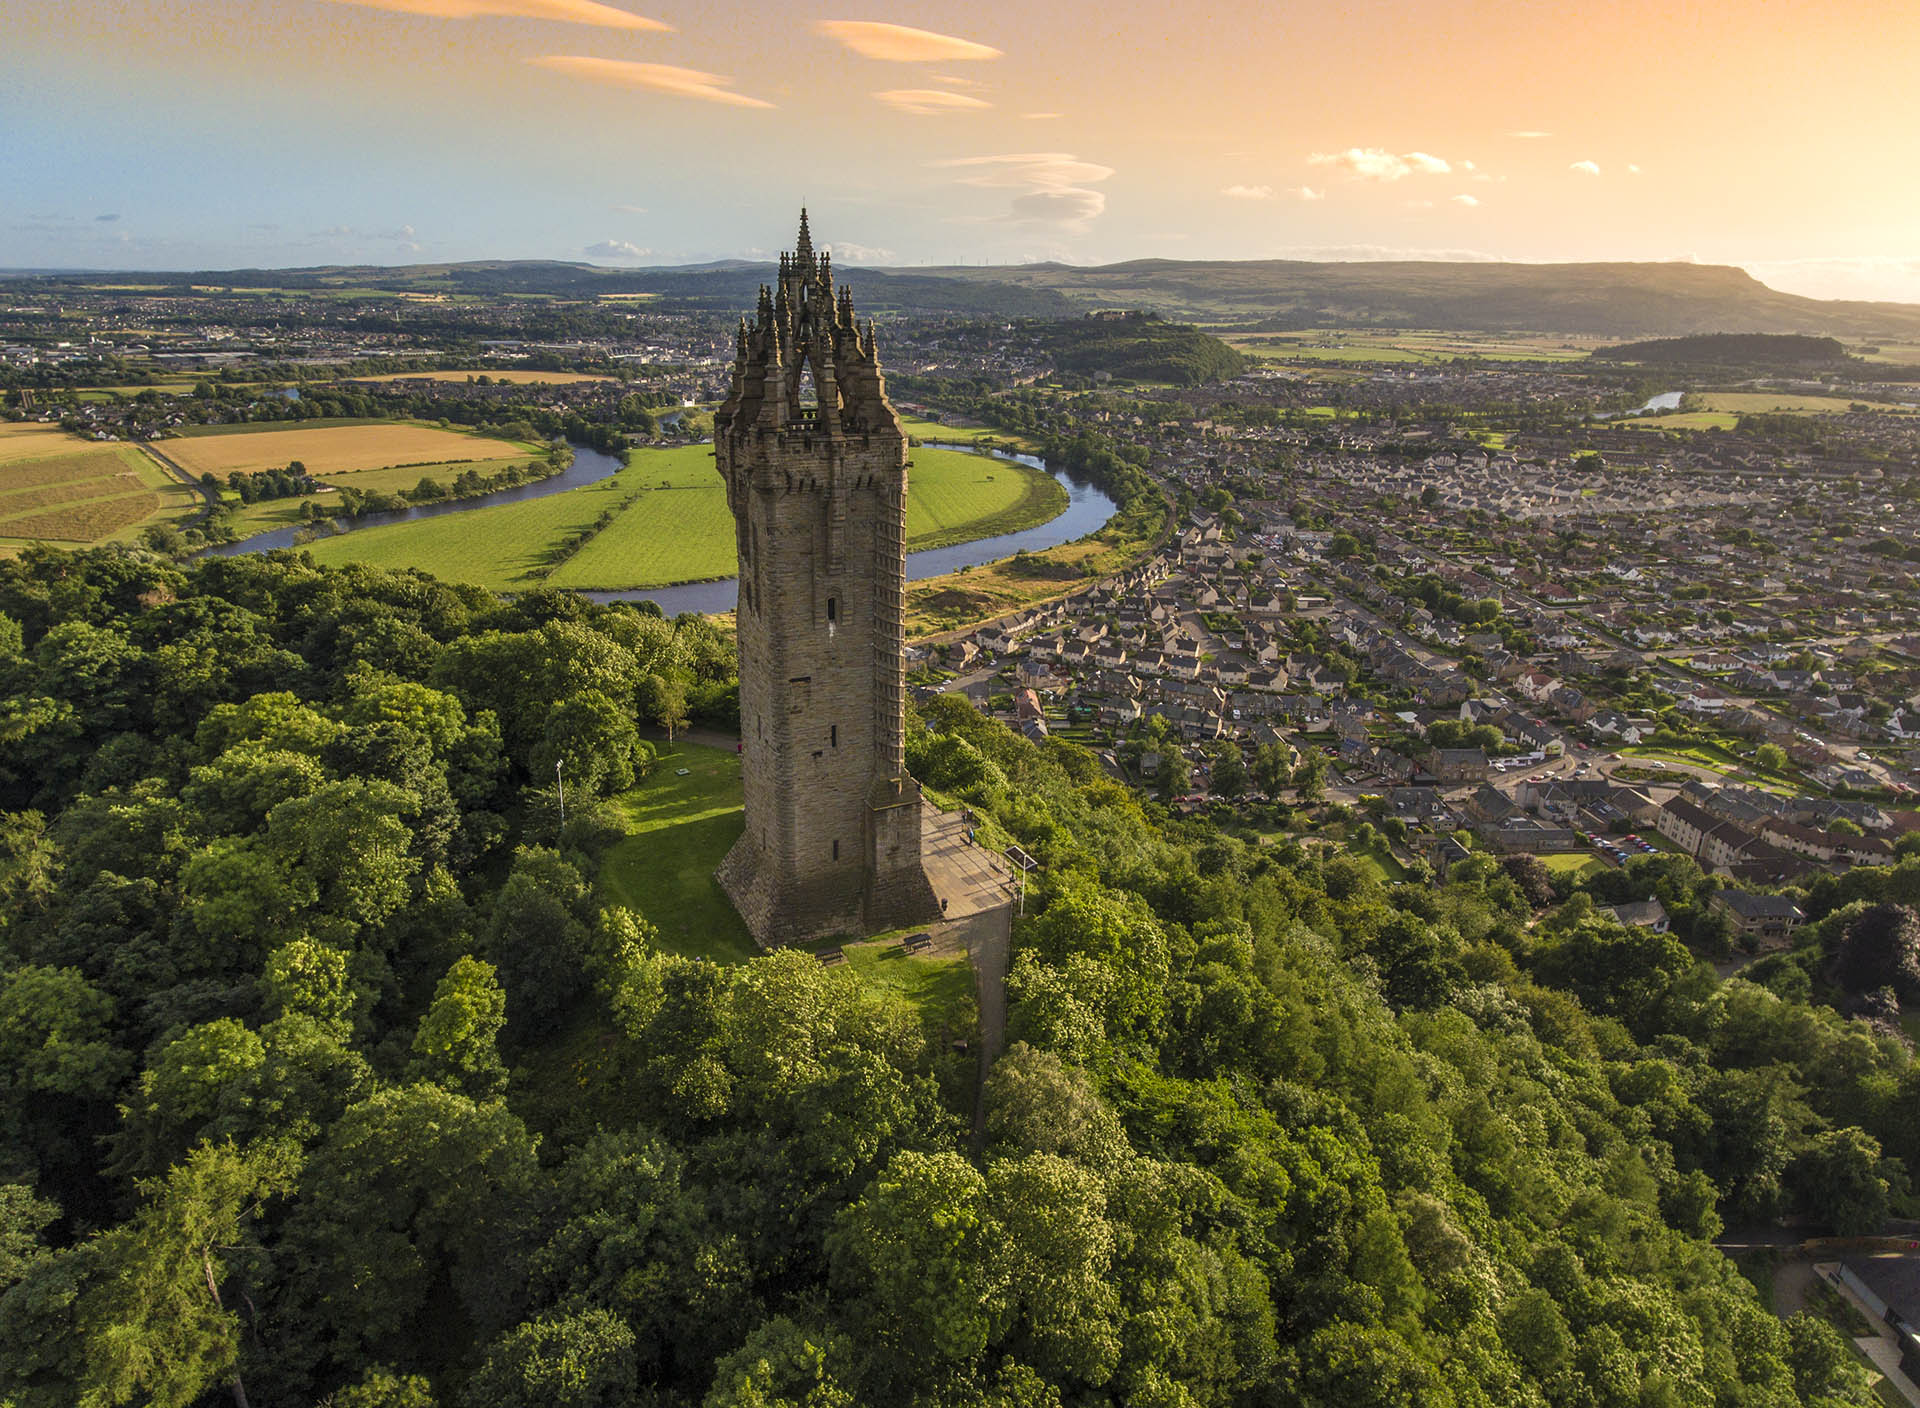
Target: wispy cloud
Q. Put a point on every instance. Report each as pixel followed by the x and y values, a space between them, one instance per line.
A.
pixel 1379 164
pixel 1529 136
pixel 846 254
pixel 660 78
pixel 565 11
pixel 1466 200
pixel 1052 186
pixel 615 249
pixel 955 81
pixel 1041 116
pixel 897 43
pixel 106 219
pixel 1586 168
pixel 1248 192
pixel 1632 170
pixel 629 209
pixel 930 102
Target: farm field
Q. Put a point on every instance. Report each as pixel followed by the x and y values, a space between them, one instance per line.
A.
pixel 500 548
pixel 268 514
pixel 1683 420
pixel 29 441
pixel 510 378
pixel 333 449
pixel 961 434
pixel 1321 345
pixel 674 525
pixel 1755 402
pixel 74 491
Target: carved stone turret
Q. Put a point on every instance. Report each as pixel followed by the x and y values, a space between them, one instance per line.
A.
pixel 815 464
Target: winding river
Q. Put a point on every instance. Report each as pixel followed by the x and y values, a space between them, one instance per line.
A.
pixel 1087 511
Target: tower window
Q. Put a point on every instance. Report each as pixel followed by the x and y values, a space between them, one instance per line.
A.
pixel 833 734
pixel 833 609
pixel 836 850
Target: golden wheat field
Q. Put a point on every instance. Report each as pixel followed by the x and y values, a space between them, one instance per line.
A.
pixel 510 378
pixel 336 449
pixel 31 441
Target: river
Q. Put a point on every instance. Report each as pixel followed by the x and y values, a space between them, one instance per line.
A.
pixel 1665 401
pixel 1087 511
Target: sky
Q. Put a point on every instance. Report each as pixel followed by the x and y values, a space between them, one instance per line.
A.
pixel 1779 135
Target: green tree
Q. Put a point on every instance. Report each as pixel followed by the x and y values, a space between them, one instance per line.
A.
pixel 1771 756
pixel 663 700
pixel 456 1044
pixel 154 1322
pixel 558 1361
pixel 1229 771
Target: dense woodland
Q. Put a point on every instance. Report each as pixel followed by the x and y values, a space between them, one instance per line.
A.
pixel 325 1078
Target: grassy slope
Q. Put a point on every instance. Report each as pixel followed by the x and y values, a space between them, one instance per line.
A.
pixel 679 830
pixel 336 449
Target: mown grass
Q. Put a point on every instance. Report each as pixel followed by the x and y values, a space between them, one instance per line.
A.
pixel 503 547
pixel 679 829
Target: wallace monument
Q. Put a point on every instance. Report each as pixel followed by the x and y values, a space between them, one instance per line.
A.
pixel 815 464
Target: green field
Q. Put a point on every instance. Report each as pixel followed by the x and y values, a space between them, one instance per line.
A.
pixel 1754 402
pixel 1574 863
pixel 678 831
pixel 501 547
pixel 1683 420
pixel 673 524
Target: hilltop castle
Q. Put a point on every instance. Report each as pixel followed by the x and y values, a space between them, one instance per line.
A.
pixel 815 464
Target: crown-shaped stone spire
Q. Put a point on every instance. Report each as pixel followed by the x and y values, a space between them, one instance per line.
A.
pixel 803 247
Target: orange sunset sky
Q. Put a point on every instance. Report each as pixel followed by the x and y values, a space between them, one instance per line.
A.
pixel 1783 136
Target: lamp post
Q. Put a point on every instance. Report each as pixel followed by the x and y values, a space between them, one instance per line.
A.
pixel 560 787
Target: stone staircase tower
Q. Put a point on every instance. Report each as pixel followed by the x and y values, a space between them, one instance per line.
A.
pixel 815 464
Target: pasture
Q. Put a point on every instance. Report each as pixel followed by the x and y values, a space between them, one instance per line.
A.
pixel 59 488
pixel 334 449
pixel 502 547
pixel 673 524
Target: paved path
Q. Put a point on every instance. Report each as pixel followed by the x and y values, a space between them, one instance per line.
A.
pixel 977 888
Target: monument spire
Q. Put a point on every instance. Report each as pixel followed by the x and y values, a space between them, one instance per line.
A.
pixel 818 488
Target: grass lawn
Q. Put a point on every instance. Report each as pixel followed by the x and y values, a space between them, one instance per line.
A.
pixel 679 830
pixel 939 989
pixel 1574 863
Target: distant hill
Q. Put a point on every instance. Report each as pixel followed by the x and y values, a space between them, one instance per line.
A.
pixel 1732 350
pixel 1138 347
pixel 1613 300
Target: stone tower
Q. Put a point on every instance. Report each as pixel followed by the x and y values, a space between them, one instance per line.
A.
pixel 815 463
